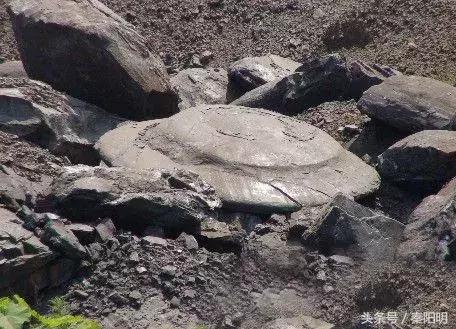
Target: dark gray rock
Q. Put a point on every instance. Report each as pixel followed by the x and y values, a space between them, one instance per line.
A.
pixel 60 123
pixel 60 237
pixel 189 241
pixel 411 103
pixel 349 229
pixel 92 54
pixel 13 69
pixel 200 86
pixel 84 233
pixel 132 197
pixel 258 161
pixel 427 157
pixel 221 237
pixel 252 72
pixel 431 227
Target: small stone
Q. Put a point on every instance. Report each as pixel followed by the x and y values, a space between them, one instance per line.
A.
pixel 118 299
pixel 327 288
pixel 189 293
pixel 295 42
pixel 175 302
pixel 153 241
pixel 135 295
pixel 341 260
pixel 321 276
pixel 206 57
pixel 134 257
pixel 189 241
pixel 141 269
pixel 169 271
pixel 106 230
pixel 80 294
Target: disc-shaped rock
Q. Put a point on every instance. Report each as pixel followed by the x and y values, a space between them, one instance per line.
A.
pixel 258 161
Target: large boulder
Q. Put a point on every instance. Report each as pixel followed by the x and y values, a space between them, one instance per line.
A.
pixel 258 161
pixel 85 49
pixel 431 227
pixel 316 81
pixel 348 228
pixel 169 199
pixel 251 72
pixel 198 86
pixel 60 123
pixel 13 69
pixel 411 103
pixel 427 157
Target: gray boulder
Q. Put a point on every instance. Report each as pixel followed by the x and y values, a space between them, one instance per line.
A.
pixel 411 103
pixel 170 199
pixel 60 123
pixel 427 157
pixel 13 69
pixel 63 240
pixel 316 81
pixel 346 227
pixel 200 86
pixel 251 72
pixel 431 227
pixel 257 161
pixel 85 49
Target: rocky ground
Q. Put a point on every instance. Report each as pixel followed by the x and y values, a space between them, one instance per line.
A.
pixel 315 189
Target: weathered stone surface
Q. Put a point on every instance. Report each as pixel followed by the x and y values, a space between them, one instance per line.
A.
pixel 173 199
pixel 200 86
pixel 350 229
pixel 62 239
pixel 411 103
pixel 258 161
pixel 431 227
pixel 251 72
pixel 427 157
pixel 13 69
pixel 61 123
pixel 219 236
pixel 316 81
pixel 84 233
pixel 299 322
pixel 86 50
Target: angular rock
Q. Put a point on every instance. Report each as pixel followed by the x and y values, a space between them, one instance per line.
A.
pixel 92 54
pixel 220 237
pixel 189 241
pixel 251 72
pixel 299 322
pixel 427 157
pixel 106 230
pixel 316 81
pixel 349 229
pixel 200 86
pixel 172 199
pixel 60 123
pixel 411 103
pixel 84 233
pixel 257 161
pixel 60 237
pixel 154 241
pixel 13 69
pixel 431 227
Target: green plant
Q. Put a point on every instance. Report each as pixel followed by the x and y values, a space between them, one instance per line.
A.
pixel 59 306
pixel 15 313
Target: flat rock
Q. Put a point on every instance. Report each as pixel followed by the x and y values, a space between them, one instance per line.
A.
pixel 12 69
pixel 92 54
pixel 316 81
pixel 431 227
pixel 200 86
pixel 411 103
pixel 427 157
pixel 251 72
pixel 257 161
pixel 60 123
pixel 349 229
pixel 173 199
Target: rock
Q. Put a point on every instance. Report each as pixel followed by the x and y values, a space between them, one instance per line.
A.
pixel 206 57
pixel 106 230
pixel 134 198
pixel 189 241
pixel 220 237
pixel 60 123
pixel 175 302
pixel 427 157
pixel 169 271
pixel 199 86
pixel 411 103
pixel 341 260
pixel 431 227
pixel 316 81
pixel 13 69
pixel 347 228
pixel 252 72
pixel 102 59
pixel 299 322
pixel 363 76
pixel 92 54
pixel 258 161
pixel 84 233
pixel 154 241
pixel 60 237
